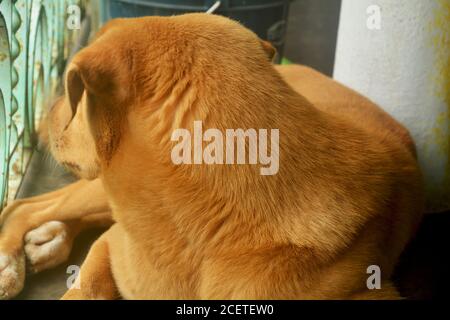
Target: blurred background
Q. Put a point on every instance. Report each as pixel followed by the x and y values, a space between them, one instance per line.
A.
pixel 396 52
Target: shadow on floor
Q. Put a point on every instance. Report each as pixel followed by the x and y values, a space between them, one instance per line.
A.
pixel 423 268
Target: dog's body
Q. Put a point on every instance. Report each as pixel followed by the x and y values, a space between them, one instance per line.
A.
pixel 348 193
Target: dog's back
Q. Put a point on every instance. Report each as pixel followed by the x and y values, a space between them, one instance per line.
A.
pixel 334 98
pixel 401 193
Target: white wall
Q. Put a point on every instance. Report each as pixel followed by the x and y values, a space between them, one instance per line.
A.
pixel 404 67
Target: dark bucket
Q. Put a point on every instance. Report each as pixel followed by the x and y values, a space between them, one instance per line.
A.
pixel 267 18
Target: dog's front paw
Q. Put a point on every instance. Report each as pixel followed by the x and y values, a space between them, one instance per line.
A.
pixel 12 274
pixel 47 246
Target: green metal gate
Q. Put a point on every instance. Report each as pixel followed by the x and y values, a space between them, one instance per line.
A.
pixel 34 46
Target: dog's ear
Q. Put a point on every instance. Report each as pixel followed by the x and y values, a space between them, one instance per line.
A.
pixel 269 49
pixel 92 74
pixel 74 87
pixel 97 73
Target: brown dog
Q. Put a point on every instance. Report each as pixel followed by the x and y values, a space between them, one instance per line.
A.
pixel 347 195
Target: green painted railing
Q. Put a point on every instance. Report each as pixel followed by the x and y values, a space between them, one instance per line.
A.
pixel 35 42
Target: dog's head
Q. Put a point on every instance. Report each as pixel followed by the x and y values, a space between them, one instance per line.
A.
pixel 140 78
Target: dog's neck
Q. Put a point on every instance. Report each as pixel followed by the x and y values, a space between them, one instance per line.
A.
pixel 203 203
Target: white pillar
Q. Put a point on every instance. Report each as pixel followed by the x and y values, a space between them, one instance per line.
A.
pixel 397 53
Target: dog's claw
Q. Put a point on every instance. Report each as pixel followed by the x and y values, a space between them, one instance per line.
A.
pixel 47 246
pixel 12 275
